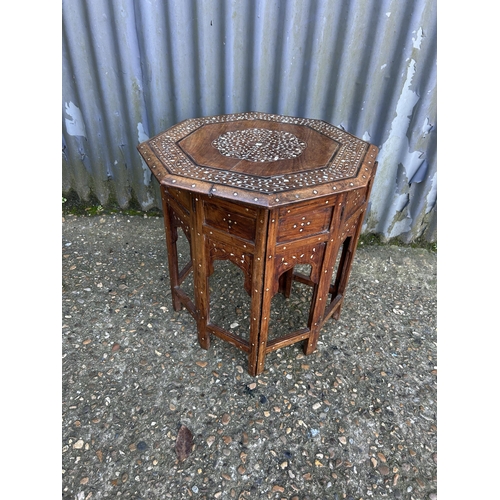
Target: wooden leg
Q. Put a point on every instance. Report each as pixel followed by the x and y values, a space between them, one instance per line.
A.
pixel 171 240
pixel 321 289
pixel 257 294
pixel 339 285
pixel 268 288
pixel 345 264
pixel 200 273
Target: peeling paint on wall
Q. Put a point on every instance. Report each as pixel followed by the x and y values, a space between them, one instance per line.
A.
pixel 396 146
pixel 432 195
pixel 391 199
pixel 141 137
pixel 75 124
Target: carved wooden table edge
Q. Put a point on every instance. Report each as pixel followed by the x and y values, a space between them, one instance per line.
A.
pixel 241 187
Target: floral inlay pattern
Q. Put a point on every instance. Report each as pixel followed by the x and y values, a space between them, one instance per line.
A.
pixel 259 145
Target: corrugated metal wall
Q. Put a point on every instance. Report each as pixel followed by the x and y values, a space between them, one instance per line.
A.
pixel 131 69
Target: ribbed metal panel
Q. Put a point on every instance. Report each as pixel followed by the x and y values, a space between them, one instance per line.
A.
pixel 131 69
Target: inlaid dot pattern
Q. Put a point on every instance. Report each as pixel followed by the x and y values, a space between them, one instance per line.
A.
pixel 259 145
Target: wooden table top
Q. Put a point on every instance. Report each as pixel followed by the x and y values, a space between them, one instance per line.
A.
pixel 258 158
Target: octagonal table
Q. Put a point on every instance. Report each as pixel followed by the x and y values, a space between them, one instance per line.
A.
pixel 268 193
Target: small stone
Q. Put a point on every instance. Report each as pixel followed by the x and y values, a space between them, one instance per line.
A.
pixel 241 469
pixel 234 325
pixel 374 462
pixel 343 440
pixel 116 347
pixel 433 496
pixel 202 363
pixel 84 480
pixel 141 446
pixel 307 476
pixel 210 440
pixel 132 447
pixel 227 477
pixel 278 488
pixel 252 386
pixel 227 439
pixel 413 453
pixel 382 457
pixel 244 440
pixel 218 494
pixel 316 406
pixel 184 443
pixel 99 455
pixel 226 418
pixel 78 445
pixel 384 470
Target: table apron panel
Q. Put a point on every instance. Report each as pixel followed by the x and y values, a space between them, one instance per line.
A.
pixel 228 239
pixel 230 220
pixel 296 222
pixel 181 198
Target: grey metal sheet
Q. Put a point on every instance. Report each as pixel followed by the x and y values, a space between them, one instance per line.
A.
pixel 132 68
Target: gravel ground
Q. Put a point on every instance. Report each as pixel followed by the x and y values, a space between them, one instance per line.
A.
pixel 354 420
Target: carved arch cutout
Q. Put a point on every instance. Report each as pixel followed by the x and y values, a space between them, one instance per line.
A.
pixel 287 259
pixel 243 260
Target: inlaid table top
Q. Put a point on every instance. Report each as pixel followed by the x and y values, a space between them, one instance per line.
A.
pixel 258 158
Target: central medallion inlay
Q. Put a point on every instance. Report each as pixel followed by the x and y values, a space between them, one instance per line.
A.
pixel 259 145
